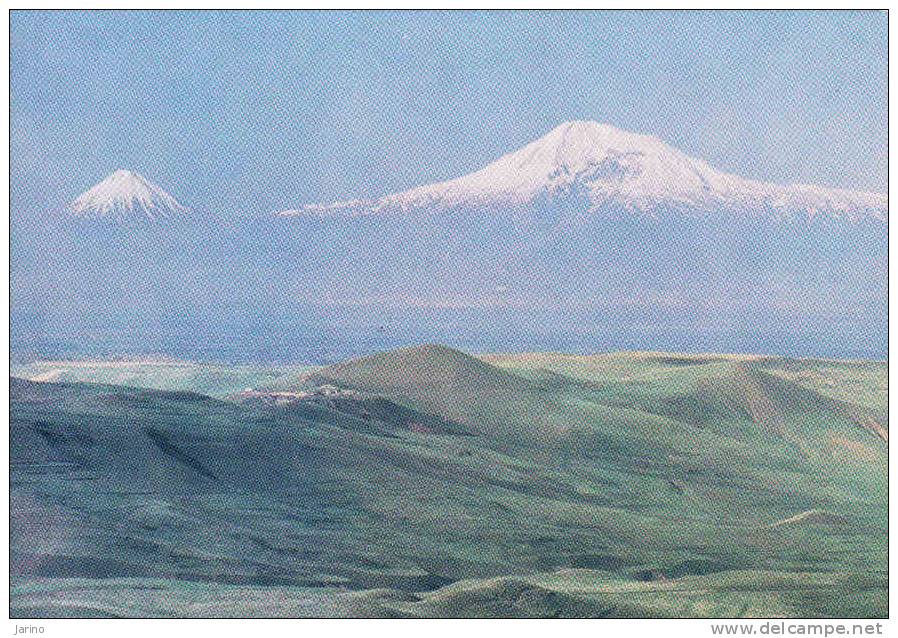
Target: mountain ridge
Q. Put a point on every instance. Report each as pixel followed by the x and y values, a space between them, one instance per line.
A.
pixel 610 167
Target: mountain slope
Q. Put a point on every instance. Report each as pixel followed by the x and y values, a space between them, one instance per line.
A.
pixel 743 397
pixel 725 409
pixel 611 167
pixel 429 368
pixel 126 195
pixel 458 387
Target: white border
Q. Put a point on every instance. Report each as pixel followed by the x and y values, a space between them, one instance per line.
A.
pixel 401 628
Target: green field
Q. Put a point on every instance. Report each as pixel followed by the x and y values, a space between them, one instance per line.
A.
pixel 429 482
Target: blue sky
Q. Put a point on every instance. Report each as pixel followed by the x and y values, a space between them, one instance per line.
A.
pixel 251 112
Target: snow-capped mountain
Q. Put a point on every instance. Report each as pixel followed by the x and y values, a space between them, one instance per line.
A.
pixel 126 195
pixel 598 256
pixel 612 167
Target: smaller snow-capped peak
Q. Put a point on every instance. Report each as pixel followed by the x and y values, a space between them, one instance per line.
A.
pixel 125 194
pixel 613 167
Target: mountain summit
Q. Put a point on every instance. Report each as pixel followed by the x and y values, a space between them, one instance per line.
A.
pixel 126 195
pixel 612 167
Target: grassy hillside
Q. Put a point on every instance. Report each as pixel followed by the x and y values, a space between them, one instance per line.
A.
pixel 427 482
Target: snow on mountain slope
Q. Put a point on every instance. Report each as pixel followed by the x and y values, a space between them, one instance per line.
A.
pixel 612 167
pixel 126 195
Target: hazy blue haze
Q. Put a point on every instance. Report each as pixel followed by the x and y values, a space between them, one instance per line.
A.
pixel 241 114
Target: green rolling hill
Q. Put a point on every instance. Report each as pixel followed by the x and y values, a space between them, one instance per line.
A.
pixel 428 482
